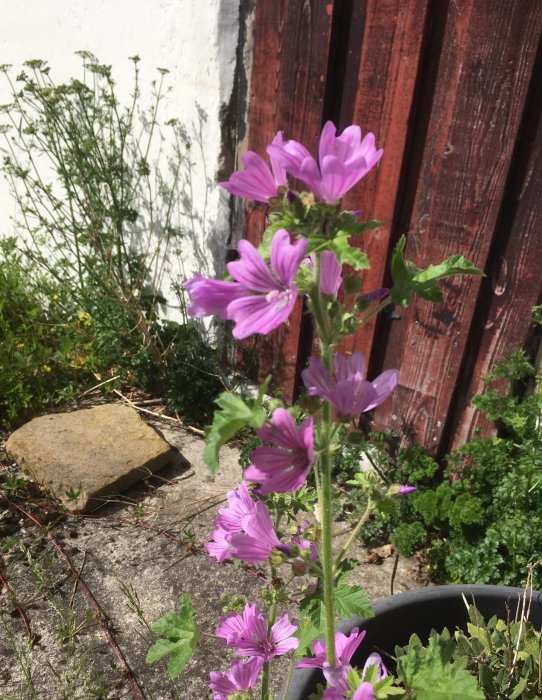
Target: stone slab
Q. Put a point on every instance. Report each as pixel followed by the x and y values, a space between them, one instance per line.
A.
pixel 96 452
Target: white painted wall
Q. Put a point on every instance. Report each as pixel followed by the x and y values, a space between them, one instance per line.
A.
pixel 195 39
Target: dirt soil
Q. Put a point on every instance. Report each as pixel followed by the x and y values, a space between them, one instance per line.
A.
pixel 75 589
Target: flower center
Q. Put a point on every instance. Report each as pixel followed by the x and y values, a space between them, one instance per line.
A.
pixel 278 297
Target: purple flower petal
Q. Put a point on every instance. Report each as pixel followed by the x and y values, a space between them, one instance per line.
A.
pixel 251 271
pixel 261 314
pixel 242 676
pixel 248 632
pixel 344 649
pixel 330 273
pixel 285 466
pixel 364 692
pixel 343 161
pixel 286 257
pixel 211 297
pixel 346 389
pixel 256 182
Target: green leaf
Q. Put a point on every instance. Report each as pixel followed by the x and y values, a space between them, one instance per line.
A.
pixel 233 415
pixel 179 637
pixel 347 254
pixel 454 265
pixel 400 292
pixel 408 279
pixel 314 610
pixel 307 633
pixel 352 600
pixel 430 675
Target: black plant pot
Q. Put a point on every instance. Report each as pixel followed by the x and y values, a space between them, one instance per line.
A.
pixel 398 617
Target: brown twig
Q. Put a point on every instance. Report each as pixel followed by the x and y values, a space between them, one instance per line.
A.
pixel 136 690
pixel 394 572
pixel 97 386
pixel 138 407
pixel 22 614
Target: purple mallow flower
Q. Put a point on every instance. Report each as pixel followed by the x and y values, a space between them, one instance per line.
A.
pixel 342 161
pixel 258 538
pixel 405 489
pixel 344 650
pixel 242 530
pixel 249 634
pixel 346 389
pixel 257 181
pixel 284 466
pixel 242 676
pixel 337 676
pixel 261 297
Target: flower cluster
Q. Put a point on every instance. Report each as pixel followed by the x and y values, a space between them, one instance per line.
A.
pixel 258 296
pixel 342 162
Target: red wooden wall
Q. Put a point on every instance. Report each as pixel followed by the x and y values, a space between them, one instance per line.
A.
pixel 453 91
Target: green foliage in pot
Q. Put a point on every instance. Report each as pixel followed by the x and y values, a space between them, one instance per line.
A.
pixel 494 659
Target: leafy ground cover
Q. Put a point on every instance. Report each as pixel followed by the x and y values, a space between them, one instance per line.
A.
pixel 479 520
pixel 102 215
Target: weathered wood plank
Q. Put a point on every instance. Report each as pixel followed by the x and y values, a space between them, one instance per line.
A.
pixel 378 97
pixel 513 285
pixel 485 66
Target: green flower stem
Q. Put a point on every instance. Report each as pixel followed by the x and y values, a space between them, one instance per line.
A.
pixel 288 678
pixel 377 309
pixel 325 493
pixel 327 553
pixel 271 619
pixel 265 680
pixel 354 534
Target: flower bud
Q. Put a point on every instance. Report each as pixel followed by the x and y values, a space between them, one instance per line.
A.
pixel 276 558
pixel 352 284
pixel 299 568
pixel 312 533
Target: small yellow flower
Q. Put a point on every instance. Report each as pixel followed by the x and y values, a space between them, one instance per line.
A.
pixel 19 346
pixel 45 368
pixel 55 297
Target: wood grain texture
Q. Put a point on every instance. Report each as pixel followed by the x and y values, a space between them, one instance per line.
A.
pixel 514 282
pixel 288 86
pixel 484 72
pixel 378 96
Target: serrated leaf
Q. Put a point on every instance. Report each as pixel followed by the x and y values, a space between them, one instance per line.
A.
pixel 313 608
pixel 179 636
pixel 427 671
pixel 347 254
pixel 485 678
pixel 233 415
pixel 307 633
pixel 352 600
